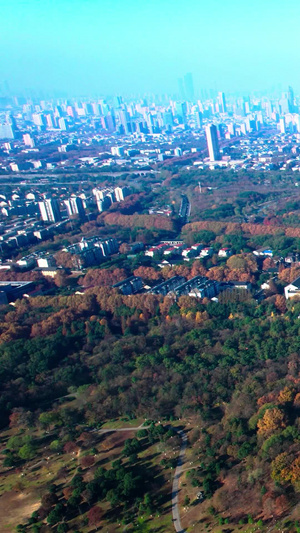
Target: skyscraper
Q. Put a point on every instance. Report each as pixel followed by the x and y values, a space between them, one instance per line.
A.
pixel 198 119
pixel 103 204
pixel 121 193
pixel 28 140
pixel 96 109
pixel 282 125
pixel 37 119
pixel 284 104
pixel 181 112
pixel 75 206
pixel 49 210
pixel 291 100
pixel 212 142
pixel 62 124
pixel 231 129
pixel 49 120
pixel 6 131
pixel 125 121
pixel 222 102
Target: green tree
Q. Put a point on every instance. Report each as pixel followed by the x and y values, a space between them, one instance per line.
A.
pixel 55 446
pixel 187 501
pixel 26 452
pixel 62 528
pixel 48 418
pixel 55 515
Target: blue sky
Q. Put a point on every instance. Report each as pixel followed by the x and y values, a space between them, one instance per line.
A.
pixel 143 46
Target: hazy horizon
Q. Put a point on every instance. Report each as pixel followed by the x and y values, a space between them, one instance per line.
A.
pixel 134 47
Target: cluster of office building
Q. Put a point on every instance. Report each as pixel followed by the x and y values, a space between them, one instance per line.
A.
pixel 42 206
pixel 139 132
pixel 85 253
pixel 105 197
pixel 33 211
pixel 23 232
pixel 91 252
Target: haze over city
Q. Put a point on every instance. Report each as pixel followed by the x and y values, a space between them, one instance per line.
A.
pixel 104 47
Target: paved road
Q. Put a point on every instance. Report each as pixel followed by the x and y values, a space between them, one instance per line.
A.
pixel 81 177
pixel 175 487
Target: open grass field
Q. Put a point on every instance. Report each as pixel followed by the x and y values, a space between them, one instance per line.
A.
pixel 22 488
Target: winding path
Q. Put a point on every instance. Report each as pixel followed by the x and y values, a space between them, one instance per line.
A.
pixel 175 487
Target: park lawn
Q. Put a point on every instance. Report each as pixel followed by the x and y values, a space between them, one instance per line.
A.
pixel 35 478
pixel 23 487
pixel 118 424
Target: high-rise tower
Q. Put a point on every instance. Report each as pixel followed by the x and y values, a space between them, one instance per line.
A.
pixel 75 206
pixel 49 210
pixel 222 102
pixel 212 142
pixel 291 100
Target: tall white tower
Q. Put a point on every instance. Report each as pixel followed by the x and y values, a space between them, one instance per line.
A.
pixel 212 142
pixel 49 210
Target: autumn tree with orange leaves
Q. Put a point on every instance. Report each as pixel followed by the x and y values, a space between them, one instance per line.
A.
pixel 273 420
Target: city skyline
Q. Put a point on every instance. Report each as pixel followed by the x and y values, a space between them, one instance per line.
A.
pixel 184 90
pixel 102 47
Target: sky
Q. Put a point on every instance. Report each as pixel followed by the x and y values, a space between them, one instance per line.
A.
pixel 103 47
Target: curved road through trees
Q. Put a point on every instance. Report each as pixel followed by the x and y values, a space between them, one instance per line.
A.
pixel 175 487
